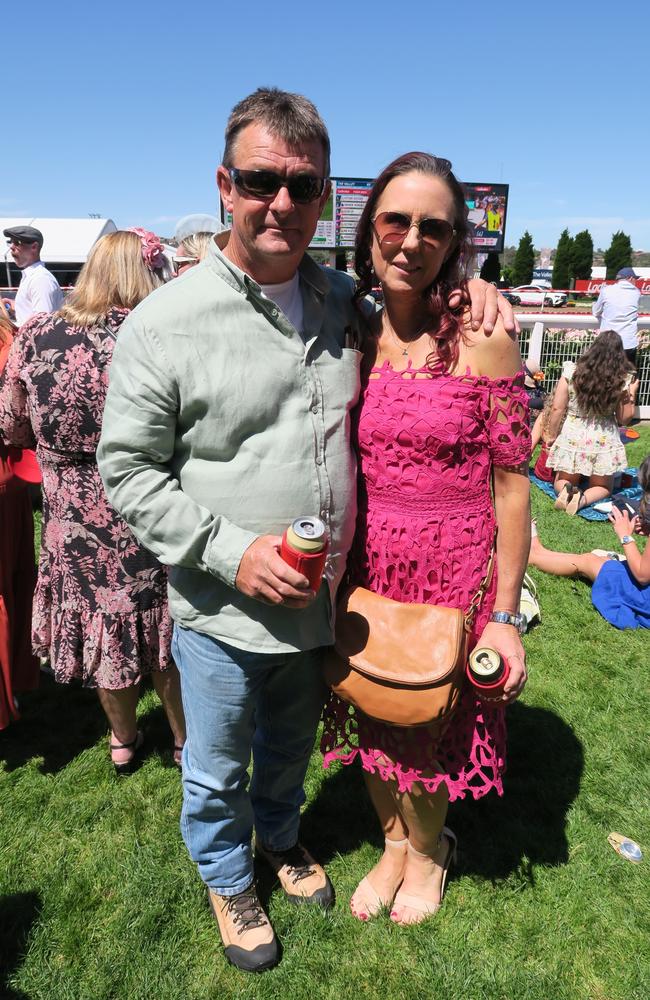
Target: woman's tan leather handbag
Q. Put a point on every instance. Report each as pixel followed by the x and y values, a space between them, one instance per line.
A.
pixel 401 664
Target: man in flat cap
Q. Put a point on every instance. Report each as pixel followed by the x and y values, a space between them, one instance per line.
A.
pixel 39 291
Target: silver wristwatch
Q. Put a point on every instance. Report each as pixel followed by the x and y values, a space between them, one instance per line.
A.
pixel 508 618
pixel 626 539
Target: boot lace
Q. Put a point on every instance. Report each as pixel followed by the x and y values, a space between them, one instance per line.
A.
pixel 245 909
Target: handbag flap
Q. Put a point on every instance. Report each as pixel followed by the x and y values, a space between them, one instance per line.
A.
pixel 412 644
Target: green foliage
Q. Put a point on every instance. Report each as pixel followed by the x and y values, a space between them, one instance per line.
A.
pixel 562 261
pixel 524 262
pixel 507 275
pixel 582 255
pixel 491 269
pixel 99 899
pixel 618 254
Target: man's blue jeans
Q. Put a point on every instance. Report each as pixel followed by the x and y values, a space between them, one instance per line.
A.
pixel 236 702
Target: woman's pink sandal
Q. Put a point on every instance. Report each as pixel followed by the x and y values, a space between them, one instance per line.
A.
pixel 366 901
pixel 420 904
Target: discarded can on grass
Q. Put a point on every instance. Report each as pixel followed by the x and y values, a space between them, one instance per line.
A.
pixel 488 673
pixel 304 547
pixel 627 848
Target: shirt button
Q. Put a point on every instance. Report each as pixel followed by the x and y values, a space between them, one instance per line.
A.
pixel 319 460
pixel 314 408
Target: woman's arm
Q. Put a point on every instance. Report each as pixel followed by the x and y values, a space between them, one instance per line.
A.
pixel 638 564
pixel 558 410
pixel 512 508
pixel 625 408
pixel 15 425
pixel 498 357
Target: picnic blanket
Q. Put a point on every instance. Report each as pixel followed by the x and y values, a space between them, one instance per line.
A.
pixel 633 492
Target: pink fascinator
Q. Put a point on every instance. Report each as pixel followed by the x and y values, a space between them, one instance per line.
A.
pixel 152 248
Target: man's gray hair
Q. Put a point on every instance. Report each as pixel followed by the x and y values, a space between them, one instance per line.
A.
pixel 290 117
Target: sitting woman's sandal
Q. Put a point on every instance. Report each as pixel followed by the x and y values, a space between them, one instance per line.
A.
pixel 123 755
pixel 422 906
pixel 366 902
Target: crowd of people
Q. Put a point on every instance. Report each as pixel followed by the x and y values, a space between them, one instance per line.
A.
pixel 181 425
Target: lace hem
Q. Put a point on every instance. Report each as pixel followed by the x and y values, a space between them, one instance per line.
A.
pixel 468 758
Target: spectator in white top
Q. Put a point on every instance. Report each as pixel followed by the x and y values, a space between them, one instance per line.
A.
pixel 39 291
pixel 617 308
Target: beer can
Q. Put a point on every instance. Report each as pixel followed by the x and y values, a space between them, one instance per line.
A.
pixel 304 547
pixel 488 672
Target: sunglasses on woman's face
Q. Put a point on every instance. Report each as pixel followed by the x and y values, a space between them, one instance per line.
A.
pixel 391 228
pixel 265 184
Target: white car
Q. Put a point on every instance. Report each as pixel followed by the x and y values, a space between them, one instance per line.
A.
pixel 535 295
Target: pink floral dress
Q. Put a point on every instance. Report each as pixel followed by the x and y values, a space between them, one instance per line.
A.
pixel 589 445
pixel 427 442
pixel 100 608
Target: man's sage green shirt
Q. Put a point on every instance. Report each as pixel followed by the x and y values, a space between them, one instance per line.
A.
pixel 223 423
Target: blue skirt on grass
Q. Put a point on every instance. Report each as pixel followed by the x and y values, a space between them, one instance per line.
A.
pixel 619 598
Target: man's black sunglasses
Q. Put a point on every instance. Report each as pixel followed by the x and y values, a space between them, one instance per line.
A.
pixel 265 184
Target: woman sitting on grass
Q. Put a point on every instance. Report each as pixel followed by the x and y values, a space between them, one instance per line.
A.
pixel 621 590
pixel 595 395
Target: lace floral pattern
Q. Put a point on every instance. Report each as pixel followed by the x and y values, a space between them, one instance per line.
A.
pixel 100 608
pixel 427 442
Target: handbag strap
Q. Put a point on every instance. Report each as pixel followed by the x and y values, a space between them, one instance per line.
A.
pixel 477 599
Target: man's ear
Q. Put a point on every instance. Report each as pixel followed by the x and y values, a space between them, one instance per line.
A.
pixel 225 185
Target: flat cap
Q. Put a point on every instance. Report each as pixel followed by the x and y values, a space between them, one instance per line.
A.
pixel 24 234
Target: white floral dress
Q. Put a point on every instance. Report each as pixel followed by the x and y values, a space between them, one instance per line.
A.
pixel 588 445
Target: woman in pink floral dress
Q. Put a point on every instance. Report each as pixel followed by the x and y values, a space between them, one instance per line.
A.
pixel 443 445
pixel 100 608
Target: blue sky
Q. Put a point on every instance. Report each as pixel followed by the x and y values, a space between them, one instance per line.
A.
pixel 119 108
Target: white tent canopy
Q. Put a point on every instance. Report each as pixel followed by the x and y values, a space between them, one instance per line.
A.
pixel 65 240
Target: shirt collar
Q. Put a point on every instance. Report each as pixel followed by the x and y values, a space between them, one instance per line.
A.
pixel 310 272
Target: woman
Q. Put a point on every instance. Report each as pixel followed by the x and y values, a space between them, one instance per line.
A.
pixel 443 412
pixel 191 251
pixel 18 666
pixel 100 609
pixel 595 396
pixel 621 590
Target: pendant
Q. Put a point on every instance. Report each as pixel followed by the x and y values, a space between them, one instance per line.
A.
pixel 405 353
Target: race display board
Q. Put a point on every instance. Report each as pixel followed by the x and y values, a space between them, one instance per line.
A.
pixel 337 225
pixel 488 205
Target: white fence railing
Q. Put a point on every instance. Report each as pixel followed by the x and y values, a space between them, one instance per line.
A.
pixel 550 339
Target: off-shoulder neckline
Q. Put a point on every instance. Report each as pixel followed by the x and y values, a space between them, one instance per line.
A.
pixel 408 374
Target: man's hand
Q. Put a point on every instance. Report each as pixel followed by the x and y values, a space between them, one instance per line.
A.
pixel 266 577
pixel 486 304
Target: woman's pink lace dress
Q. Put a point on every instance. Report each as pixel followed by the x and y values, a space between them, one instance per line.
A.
pixel 427 442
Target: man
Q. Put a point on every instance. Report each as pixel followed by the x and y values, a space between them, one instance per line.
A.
pixel 617 308
pixel 227 417
pixel 39 291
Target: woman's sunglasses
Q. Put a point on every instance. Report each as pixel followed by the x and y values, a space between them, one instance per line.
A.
pixel 265 184
pixel 391 228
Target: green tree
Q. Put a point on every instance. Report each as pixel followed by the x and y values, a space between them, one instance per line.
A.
pixel 618 254
pixel 522 269
pixel 506 274
pixel 562 261
pixel 582 256
pixel 491 269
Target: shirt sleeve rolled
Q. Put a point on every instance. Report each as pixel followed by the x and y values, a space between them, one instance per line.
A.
pixel 134 458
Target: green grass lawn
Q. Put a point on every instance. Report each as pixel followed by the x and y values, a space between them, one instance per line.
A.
pixel 99 899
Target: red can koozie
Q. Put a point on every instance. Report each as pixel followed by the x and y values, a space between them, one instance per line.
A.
pixel 304 547
pixel 488 673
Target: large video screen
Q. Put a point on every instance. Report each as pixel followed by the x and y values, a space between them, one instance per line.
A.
pixel 337 225
pixel 487 204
